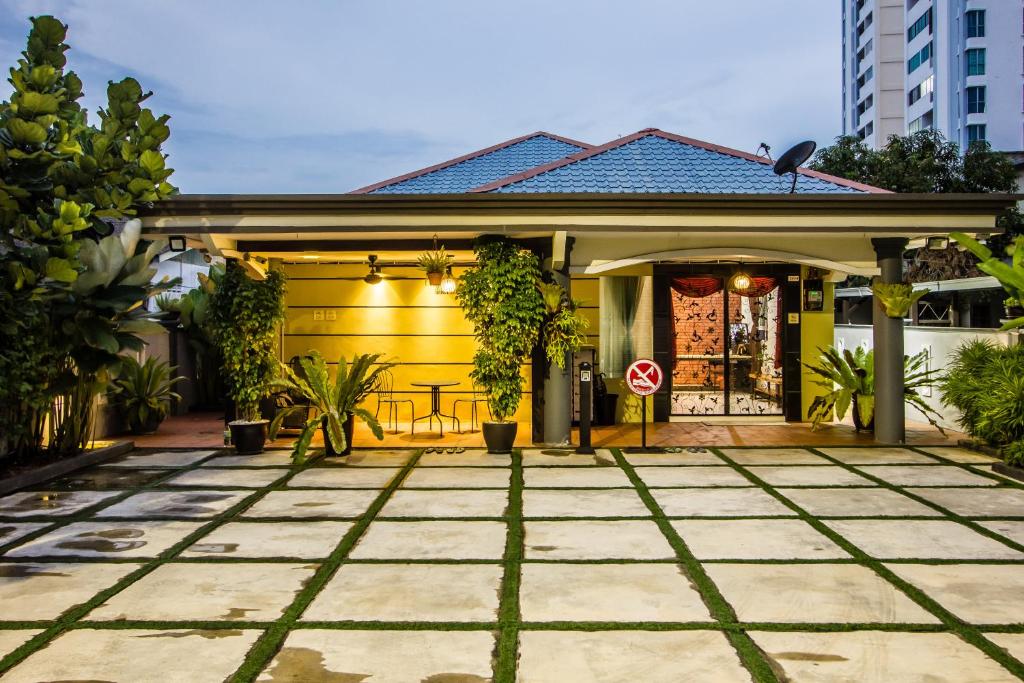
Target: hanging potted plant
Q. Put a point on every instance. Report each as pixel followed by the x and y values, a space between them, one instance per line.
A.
pixel 499 297
pixel 336 403
pixel 143 393
pixel 896 298
pixel 245 314
pixel 434 263
pixel 565 327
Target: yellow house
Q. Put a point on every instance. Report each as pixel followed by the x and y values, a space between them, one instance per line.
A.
pixel 695 255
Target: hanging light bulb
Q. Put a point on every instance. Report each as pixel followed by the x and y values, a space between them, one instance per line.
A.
pixel 740 282
pixel 447 285
pixel 374 276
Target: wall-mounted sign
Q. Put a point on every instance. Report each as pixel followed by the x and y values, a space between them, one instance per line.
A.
pixel 793 318
pixel 814 294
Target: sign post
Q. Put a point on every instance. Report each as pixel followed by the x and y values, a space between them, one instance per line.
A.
pixel 643 378
pixel 586 401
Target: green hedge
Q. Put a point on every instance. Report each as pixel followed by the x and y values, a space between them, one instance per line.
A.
pixel 985 382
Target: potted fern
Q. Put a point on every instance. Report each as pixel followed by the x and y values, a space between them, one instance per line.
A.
pixel 337 402
pixel 896 299
pixel 499 296
pixel 144 392
pixel 434 264
pixel 565 327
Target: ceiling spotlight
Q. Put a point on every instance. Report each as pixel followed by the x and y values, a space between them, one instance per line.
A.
pixel 740 282
pixel 447 285
pixel 374 276
pixel 938 243
pixel 176 242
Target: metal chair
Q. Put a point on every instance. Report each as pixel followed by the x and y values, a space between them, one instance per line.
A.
pixel 477 397
pixel 386 394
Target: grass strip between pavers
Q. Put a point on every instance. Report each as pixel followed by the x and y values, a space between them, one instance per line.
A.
pixel 750 655
pixel 270 642
pixel 506 653
pixel 953 623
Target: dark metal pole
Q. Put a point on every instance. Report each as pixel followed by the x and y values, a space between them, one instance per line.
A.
pixel 890 418
pixel 586 403
pixel 643 422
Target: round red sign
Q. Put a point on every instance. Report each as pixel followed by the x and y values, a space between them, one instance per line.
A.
pixel 644 377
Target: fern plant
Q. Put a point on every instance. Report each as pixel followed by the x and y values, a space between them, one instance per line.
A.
pixel 896 299
pixel 985 383
pixel 144 392
pixel 335 401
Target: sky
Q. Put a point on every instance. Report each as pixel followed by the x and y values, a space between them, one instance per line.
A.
pixel 275 96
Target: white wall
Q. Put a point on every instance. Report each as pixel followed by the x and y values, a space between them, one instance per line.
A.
pixel 940 342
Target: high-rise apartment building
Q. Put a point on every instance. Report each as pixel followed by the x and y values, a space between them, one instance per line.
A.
pixel 953 65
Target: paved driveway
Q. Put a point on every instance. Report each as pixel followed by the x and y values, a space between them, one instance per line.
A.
pixel 828 564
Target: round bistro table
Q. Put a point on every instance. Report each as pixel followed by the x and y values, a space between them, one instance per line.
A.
pixel 435 404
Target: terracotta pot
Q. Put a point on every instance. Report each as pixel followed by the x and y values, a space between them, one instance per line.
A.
pixel 500 436
pixel 248 437
pixel 346 427
pixel 435 278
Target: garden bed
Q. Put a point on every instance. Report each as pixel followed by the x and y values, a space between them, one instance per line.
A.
pixel 19 475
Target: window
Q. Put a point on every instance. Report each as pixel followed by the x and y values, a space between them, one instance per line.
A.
pixel 864 106
pixel 924 22
pixel 975 133
pixel 976 99
pixel 923 122
pixel 919 58
pixel 922 89
pixel 975 61
pixel 864 79
pixel 975 23
pixel 866 130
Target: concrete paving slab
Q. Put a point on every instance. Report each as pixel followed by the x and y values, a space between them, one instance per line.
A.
pixel 162 459
pixel 756 539
pixel 458 477
pixel 802 475
pixel 1013 643
pixel 719 503
pixel 567 457
pixel 813 593
pixel 383 657
pixel 575 477
pixel 272 458
pixel 921 539
pixel 344 477
pixel 614 656
pixel 596 540
pixel 232 477
pixel 313 503
pixel 1011 530
pixel 471 457
pixel 308 540
pixel 962 455
pixel 208 591
pixel 13 639
pixel 583 503
pixel 877 656
pixel 853 502
pixel 878 455
pixel 371 457
pixel 773 456
pixel 410 592
pixel 107 539
pixel 465 503
pixel 977 593
pixel 661 477
pixel 979 502
pixel 51 503
pixel 105 479
pixel 609 592
pixel 35 591
pixel 198 504
pixel 439 540
pixel 687 457
pixel 941 475
pixel 10 532
pixel 140 656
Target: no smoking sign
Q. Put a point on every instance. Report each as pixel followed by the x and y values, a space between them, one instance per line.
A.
pixel 644 377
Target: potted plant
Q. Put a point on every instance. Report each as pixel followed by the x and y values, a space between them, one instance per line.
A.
pixel 144 392
pixel 499 296
pixel 434 264
pixel 565 327
pixel 245 313
pixel 336 402
pixel 849 379
pixel 896 298
pixel 1013 308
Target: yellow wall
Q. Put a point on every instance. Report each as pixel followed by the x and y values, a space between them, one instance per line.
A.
pixel 401 317
pixel 817 330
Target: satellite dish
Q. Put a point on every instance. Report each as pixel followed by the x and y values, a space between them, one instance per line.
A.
pixel 791 160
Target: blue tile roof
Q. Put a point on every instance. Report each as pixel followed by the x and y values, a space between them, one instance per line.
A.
pixel 657 162
pixel 481 168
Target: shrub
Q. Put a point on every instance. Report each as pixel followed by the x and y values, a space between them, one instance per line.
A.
pixel 1014 454
pixel 985 382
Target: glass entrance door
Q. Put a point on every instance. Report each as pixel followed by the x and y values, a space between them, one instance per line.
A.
pixel 727 346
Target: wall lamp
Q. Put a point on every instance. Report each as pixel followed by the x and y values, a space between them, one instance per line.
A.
pixel 374 276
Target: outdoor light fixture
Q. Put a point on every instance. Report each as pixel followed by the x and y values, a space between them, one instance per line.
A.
pixel 374 276
pixel 447 285
pixel 176 242
pixel 740 282
pixel 938 243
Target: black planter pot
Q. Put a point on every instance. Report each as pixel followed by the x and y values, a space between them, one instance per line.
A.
pixel 148 427
pixel 248 437
pixel 500 436
pixel 857 423
pixel 346 427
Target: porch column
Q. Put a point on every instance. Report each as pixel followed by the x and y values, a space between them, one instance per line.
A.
pixel 890 417
pixel 558 383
